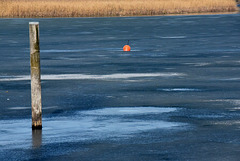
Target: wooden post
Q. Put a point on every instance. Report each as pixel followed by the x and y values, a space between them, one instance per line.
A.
pixel 36 99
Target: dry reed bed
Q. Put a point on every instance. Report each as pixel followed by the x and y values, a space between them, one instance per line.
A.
pixel 99 8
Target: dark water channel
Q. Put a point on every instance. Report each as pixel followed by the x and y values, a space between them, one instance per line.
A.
pixel 175 96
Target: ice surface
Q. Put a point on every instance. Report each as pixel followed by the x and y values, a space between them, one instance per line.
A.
pixel 99 124
pixel 202 51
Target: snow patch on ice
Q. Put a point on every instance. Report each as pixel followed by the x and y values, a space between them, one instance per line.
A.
pixel 128 111
pixel 179 89
pixel 173 37
pixel 91 77
pixel 19 108
pixel 100 124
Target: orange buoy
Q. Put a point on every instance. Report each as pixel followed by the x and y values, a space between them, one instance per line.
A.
pixel 127 47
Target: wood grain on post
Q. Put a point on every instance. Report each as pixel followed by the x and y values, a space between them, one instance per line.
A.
pixel 36 98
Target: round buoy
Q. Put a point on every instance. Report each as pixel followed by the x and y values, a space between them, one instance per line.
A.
pixel 126 48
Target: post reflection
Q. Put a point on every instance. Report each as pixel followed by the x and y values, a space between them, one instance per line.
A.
pixel 36 138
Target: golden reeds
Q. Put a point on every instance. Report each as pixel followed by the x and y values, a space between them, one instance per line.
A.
pixel 99 8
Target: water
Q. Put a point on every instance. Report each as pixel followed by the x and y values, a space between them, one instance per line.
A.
pixel 175 96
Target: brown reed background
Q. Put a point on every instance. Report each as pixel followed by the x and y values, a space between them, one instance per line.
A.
pixel 100 8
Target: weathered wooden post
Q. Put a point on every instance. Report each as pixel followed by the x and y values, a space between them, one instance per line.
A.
pixel 36 98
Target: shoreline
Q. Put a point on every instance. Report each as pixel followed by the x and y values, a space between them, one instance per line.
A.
pixel 185 14
pixel 112 8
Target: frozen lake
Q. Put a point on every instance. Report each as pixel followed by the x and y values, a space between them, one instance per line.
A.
pixel 175 96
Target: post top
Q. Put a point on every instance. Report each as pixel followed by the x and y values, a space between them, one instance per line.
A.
pixel 33 23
